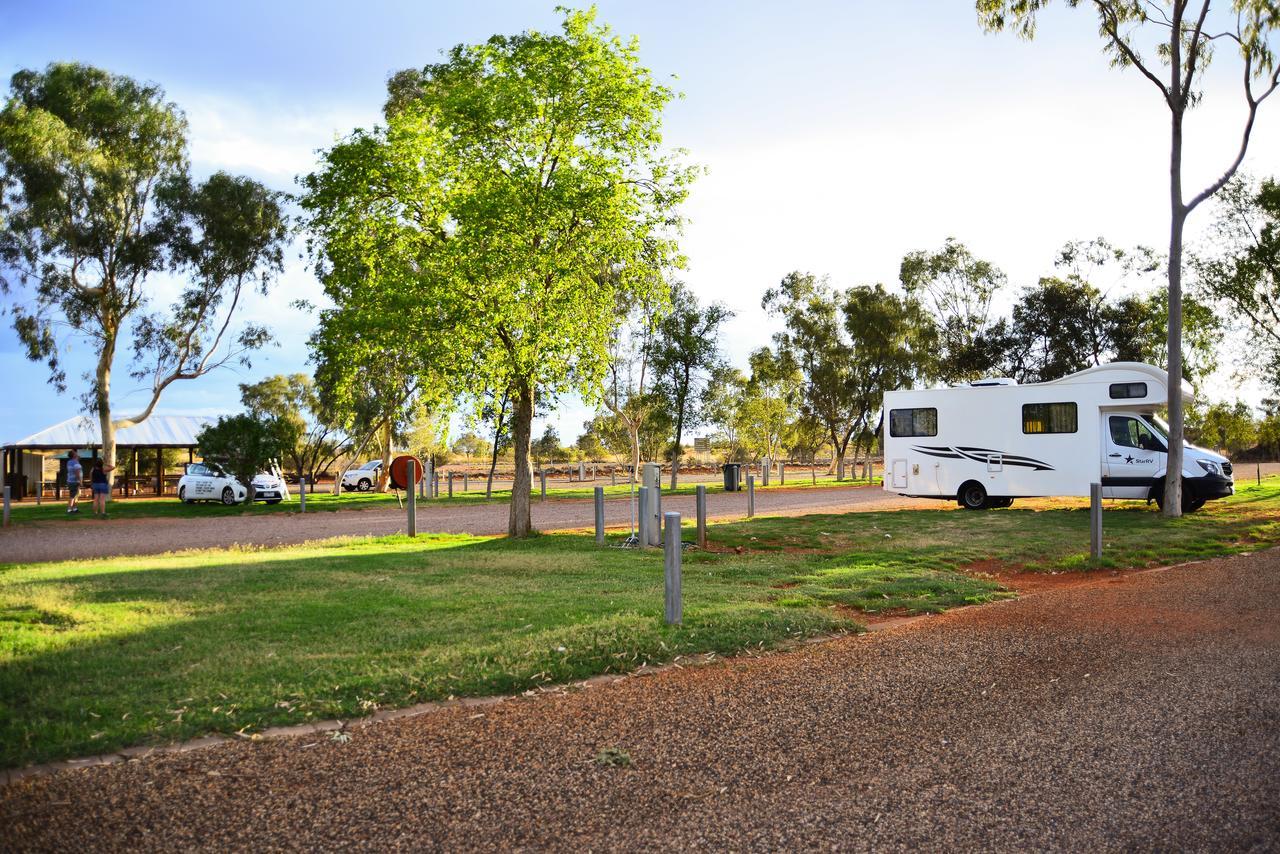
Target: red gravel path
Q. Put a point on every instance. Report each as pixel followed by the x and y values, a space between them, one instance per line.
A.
pixel 1141 712
pixel 91 538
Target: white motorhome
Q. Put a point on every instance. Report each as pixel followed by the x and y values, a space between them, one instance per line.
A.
pixel 989 442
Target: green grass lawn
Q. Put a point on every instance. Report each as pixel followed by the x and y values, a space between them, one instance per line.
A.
pixel 170 507
pixel 96 655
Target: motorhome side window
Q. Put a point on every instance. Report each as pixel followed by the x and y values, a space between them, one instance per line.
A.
pixel 1049 418
pixel 1129 432
pixel 913 422
pixel 1127 391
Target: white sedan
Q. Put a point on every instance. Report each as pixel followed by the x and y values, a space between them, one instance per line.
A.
pixel 364 478
pixel 208 482
pixel 267 487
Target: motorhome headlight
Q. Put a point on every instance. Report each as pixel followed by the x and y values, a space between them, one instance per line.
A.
pixel 1210 466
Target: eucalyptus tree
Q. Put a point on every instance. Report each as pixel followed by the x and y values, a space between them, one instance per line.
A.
pixel 1170 43
pixel 316 440
pixel 686 354
pixel 629 394
pixel 957 291
pixel 517 194
pixel 97 198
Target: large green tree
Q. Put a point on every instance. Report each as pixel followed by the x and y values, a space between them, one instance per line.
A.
pixel 518 193
pixel 686 354
pixel 317 441
pixel 1170 43
pixel 97 199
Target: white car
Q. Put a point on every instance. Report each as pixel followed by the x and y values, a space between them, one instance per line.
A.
pixel 364 478
pixel 267 487
pixel 208 482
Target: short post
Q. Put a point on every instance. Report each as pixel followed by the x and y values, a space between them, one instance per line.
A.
pixel 411 474
pixel 599 502
pixel 782 474
pixel 642 527
pixel 302 493
pixel 543 475
pixel 701 503
pixel 6 506
pixel 671 565
pixel 435 484
pixel 466 481
pixel 582 472
pixel 766 465
pixel 613 476
pixel 751 495
pixel 1259 472
pixel 1095 521
pixel 450 484
pixel 39 490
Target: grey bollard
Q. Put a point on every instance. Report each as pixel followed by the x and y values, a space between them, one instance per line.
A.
pixel 435 484
pixel 411 475
pixel 701 503
pixel 599 502
pixel 450 484
pixel 1095 521
pixel 671 554
pixel 642 527
pixel 751 495
pixel 782 474
pixel 766 465
pixel 302 493
pixel 543 475
pixel 6 507
pixel 613 476
pixel 466 482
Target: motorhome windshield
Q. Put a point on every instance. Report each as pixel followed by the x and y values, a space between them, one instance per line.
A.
pixel 1161 428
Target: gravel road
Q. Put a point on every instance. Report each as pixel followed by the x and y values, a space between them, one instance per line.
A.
pixel 90 538
pixel 1141 712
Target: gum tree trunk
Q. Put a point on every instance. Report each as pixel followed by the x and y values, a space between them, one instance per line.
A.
pixel 520 522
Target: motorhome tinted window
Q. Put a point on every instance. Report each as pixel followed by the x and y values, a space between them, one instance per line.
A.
pixel 913 422
pixel 1124 391
pixel 1049 418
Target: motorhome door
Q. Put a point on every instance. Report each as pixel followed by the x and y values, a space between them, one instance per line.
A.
pixel 1133 456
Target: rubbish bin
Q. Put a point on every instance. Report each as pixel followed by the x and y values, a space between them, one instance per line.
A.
pixel 732 477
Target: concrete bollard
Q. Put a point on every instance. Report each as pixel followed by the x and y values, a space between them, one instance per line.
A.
pixel 466 482
pixel 642 523
pixel 543 476
pixel 6 506
pixel 1095 521
pixel 613 476
pixel 782 474
pixel 751 495
pixel 701 503
pixel 672 553
pixel 599 502
pixel 411 475
pixel 450 484
pixel 766 465
pixel 302 493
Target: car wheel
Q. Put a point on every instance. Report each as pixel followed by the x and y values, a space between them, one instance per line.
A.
pixel 364 485
pixel 182 496
pixel 1189 504
pixel 228 496
pixel 973 496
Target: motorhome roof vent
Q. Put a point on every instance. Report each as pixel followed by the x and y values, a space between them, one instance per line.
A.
pixel 994 381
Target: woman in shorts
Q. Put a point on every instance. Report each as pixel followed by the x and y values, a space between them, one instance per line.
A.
pixel 101 487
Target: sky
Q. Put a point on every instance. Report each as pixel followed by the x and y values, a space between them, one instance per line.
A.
pixel 836 137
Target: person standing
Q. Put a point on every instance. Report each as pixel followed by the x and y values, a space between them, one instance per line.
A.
pixel 101 487
pixel 74 473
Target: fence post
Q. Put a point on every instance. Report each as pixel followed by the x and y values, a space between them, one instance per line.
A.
pixel 302 493
pixel 782 474
pixel 642 527
pixel 1259 472
pixel 1095 521
pixel 701 503
pixel 435 483
pixel 672 552
pixel 751 495
pixel 543 476
pixel 766 466
pixel 599 502
pixel 6 506
pixel 450 484
pixel 411 474
pixel 613 476
pixel 466 481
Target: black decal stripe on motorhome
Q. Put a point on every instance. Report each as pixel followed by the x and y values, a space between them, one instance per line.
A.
pixel 982 455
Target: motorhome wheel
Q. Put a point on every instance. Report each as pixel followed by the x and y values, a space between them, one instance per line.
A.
pixel 973 496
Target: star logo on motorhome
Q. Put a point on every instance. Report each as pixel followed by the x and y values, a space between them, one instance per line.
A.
pixel 982 455
pixel 1129 459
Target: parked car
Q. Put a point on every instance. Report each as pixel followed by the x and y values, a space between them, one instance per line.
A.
pixel 267 487
pixel 208 482
pixel 362 479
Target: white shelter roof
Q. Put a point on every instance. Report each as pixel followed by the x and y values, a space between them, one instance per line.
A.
pixel 82 431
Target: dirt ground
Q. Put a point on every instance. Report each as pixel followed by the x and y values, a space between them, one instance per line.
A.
pixel 96 538
pixel 1138 712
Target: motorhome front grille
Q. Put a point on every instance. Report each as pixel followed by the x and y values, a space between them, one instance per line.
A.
pixel 1226 468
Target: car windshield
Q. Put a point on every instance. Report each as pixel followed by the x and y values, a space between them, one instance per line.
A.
pixel 372 464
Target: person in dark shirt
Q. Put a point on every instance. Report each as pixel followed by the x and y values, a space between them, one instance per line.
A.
pixel 101 487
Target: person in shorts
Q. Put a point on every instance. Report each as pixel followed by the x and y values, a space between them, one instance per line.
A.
pixel 74 473
pixel 101 487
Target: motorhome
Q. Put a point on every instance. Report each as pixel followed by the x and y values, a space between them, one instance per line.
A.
pixel 988 442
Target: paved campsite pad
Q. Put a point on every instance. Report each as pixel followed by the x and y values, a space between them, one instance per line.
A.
pixel 1138 712
pixel 88 538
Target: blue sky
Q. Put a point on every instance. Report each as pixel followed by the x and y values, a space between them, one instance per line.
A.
pixel 837 136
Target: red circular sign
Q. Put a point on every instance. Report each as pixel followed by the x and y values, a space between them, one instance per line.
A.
pixel 400 471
